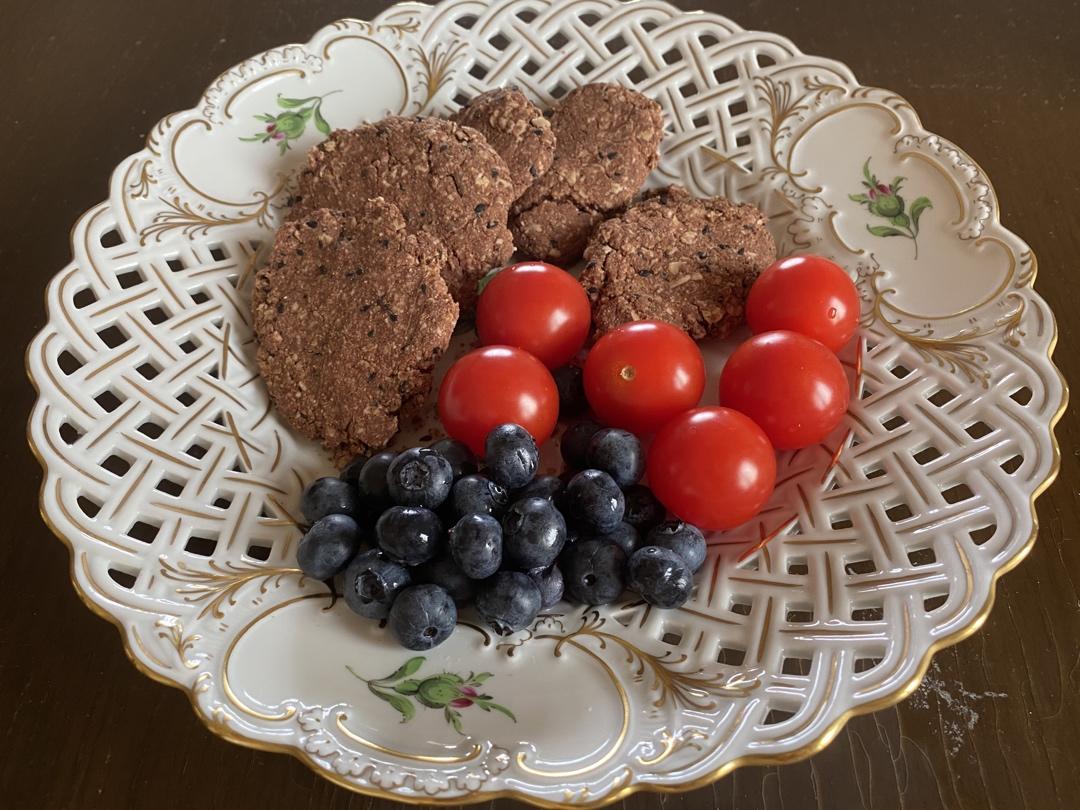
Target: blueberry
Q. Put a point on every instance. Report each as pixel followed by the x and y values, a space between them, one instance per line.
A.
pixel 594 572
pixel 569 381
pixel 328 546
pixel 543 486
pixel 511 456
pixel 594 500
pixel 329 496
pixel 643 510
pixel 410 534
pixel 372 479
pixel 574 444
pixel 443 571
pixel 624 536
pixel 372 582
pixel 352 470
pixel 476 545
pixel 461 459
pixel 534 532
pixel 423 616
pixel 619 454
pixel 508 602
pixel 419 477
pixel 550 582
pixel 573 535
pixel 478 495
pixel 661 576
pixel 684 539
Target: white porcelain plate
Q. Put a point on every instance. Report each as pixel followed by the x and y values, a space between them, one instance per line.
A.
pixel 175 484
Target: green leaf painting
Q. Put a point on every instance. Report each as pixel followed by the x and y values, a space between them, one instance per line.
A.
pixel 285 127
pixel 446 690
pixel 884 201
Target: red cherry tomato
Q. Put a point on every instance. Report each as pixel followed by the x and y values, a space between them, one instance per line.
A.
pixel 792 386
pixel 536 307
pixel 495 385
pixel 805 294
pixel 712 467
pixel 641 374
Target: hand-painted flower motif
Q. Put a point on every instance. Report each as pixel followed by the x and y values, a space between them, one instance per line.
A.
pixel 885 201
pixel 445 691
pixel 289 125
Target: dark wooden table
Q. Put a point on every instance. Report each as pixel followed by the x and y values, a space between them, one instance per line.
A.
pixel 997 723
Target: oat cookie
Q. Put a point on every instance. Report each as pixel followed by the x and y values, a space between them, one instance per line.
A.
pixel 606 142
pixel 516 129
pixel 446 179
pixel 351 313
pixel 677 258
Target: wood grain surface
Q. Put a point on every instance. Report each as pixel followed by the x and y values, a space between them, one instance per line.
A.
pixel 997 723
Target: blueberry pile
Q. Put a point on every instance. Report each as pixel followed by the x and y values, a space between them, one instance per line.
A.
pixel 410 537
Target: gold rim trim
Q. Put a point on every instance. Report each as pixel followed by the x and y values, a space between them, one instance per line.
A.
pixel 291 71
pixel 289 711
pixel 405 94
pixel 961 206
pixel 472 754
pixel 220 729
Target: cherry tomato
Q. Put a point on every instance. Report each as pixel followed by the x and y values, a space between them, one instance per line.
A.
pixel 792 386
pixel 641 374
pixel 495 385
pixel 712 467
pixel 536 307
pixel 805 294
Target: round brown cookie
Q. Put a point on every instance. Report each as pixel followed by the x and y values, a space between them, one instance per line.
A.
pixel 446 179
pixel 516 129
pixel 606 142
pixel 351 314
pixel 679 259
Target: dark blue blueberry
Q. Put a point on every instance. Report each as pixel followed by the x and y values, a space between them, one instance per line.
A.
pixel 423 616
pixel 594 572
pixel 594 501
pixel 372 582
pixel 684 539
pixel 624 536
pixel 328 546
pixel 543 486
pixel 660 576
pixel 534 532
pixel 574 444
pixel 511 456
pixel 550 582
pixel 508 602
pixel 476 545
pixel 410 534
pixel 643 510
pixel 329 496
pixel 573 535
pixel 461 459
pixel 443 571
pixel 372 480
pixel 478 495
pixel 352 470
pixel 619 454
pixel 569 381
pixel 419 477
